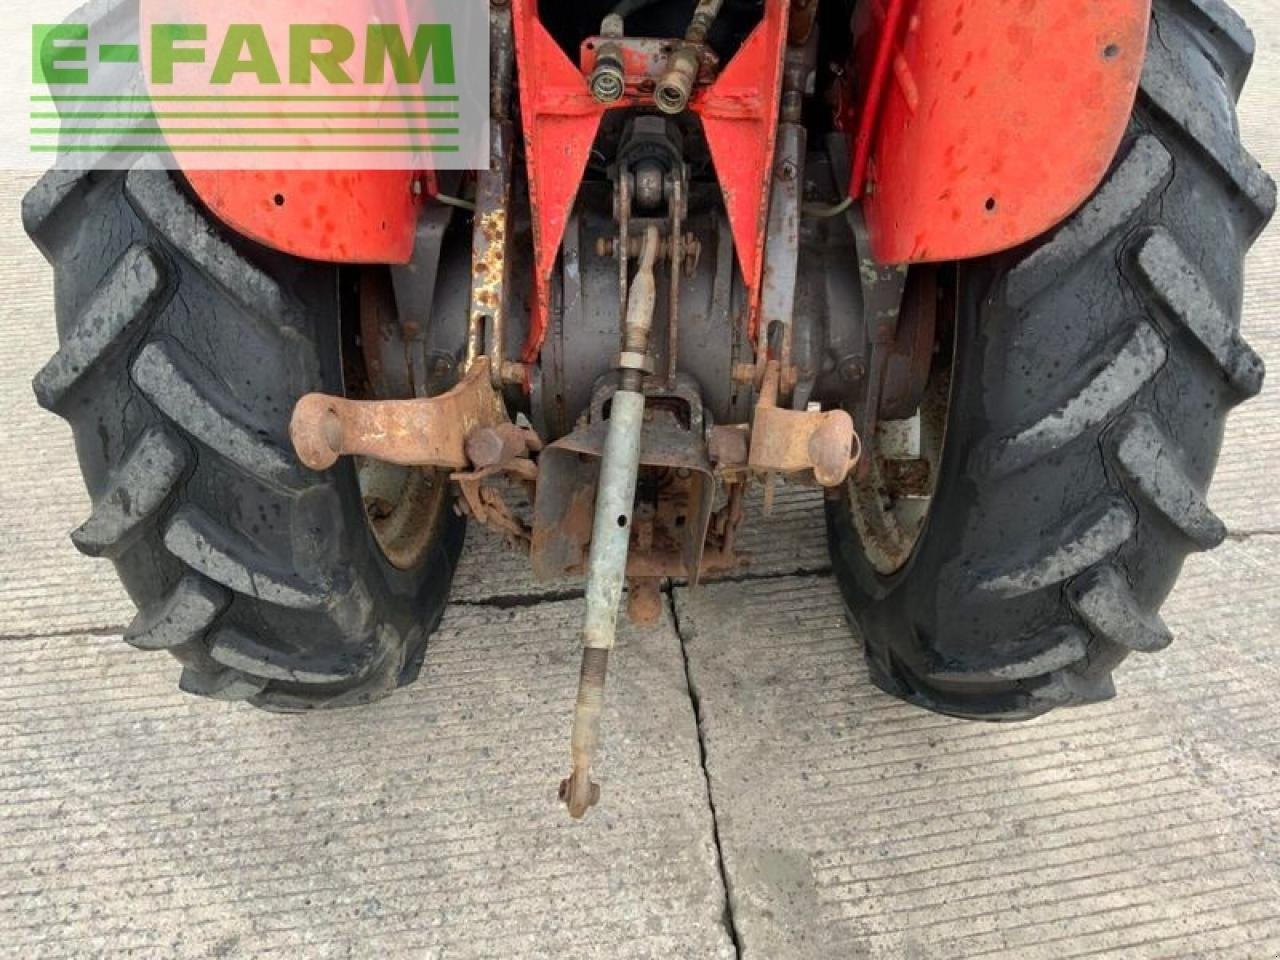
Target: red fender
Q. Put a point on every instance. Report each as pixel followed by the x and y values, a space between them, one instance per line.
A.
pixel 339 216
pixel 979 129
pixel 982 125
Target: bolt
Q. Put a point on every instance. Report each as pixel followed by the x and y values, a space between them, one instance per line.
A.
pixel 787 171
pixel 512 372
pixel 852 370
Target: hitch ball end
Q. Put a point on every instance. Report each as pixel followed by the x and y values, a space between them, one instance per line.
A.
pixel 316 431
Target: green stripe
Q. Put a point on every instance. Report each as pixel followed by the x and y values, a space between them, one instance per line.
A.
pixel 118 53
pixel 254 148
pixel 245 131
pixel 248 116
pixel 87 98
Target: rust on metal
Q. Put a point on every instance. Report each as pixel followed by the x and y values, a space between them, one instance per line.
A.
pixel 824 444
pixel 675 240
pixel 499 452
pixel 487 506
pixel 490 234
pixel 665 564
pixel 404 522
pixel 678 528
pixel 489 264
pixel 429 431
pixel 690 245
pixel 644 600
pixel 729 447
pixel 501 444
pixel 908 478
pixel 909 357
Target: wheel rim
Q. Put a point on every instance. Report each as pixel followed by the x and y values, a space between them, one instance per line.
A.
pixel 891 497
pixel 402 505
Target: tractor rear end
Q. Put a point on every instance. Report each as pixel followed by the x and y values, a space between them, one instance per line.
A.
pixel 975 274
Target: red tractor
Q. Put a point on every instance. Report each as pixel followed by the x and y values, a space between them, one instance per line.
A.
pixel 972 268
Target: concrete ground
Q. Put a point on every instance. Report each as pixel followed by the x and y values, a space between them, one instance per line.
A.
pixel 761 799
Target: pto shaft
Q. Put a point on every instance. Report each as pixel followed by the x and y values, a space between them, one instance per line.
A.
pixel 611 533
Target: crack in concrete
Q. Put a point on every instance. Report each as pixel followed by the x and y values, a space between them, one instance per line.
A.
pixel 115 632
pixel 749 577
pixel 516 601
pixel 1246 535
pixel 729 920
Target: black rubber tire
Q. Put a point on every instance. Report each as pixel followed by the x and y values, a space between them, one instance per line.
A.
pixel 183 351
pixel 1094 371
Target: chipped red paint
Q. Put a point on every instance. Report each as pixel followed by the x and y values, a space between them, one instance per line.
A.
pixel 560 123
pixel 740 118
pixel 988 123
pixel 983 126
pixel 561 119
pixel 335 216
pixel 338 216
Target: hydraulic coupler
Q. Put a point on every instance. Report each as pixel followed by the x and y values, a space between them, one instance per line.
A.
pixel 611 531
pixel 675 88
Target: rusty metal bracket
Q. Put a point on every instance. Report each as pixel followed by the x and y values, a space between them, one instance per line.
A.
pixel 502 451
pixel 427 432
pixel 810 442
pixel 562 516
pixel 491 233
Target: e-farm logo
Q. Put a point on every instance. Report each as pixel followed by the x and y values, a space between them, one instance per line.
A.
pixel 214 85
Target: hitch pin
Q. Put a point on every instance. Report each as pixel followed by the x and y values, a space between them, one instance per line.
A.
pixel 611 532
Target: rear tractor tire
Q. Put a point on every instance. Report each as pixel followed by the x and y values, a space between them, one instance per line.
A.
pixel 1093 372
pixel 183 351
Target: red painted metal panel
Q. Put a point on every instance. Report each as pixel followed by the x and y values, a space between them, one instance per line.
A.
pixel 335 216
pixel 988 123
pixel 876 47
pixel 339 216
pixel 740 118
pixel 561 119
